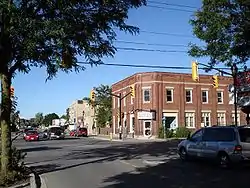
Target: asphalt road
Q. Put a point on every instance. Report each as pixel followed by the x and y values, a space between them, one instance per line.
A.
pixel 92 163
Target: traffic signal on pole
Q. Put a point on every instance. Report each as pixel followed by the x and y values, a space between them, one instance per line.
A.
pixel 132 90
pixel 215 81
pixel 195 74
pixel 92 95
pixel 12 91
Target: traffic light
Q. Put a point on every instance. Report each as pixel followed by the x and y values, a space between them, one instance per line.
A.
pixel 12 91
pixel 92 95
pixel 215 81
pixel 195 74
pixel 132 90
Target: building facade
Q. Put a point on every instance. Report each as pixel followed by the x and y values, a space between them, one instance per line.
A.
pixel 82 115
pixel 174 97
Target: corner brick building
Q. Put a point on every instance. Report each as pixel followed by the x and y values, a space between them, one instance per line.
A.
pixel 174 97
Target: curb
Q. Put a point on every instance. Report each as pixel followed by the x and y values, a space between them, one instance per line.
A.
pixel 107 139
pixel 22 185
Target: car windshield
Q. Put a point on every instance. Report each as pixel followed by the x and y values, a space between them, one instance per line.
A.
pixel 244 135
pixel 31 132
pixel 56 129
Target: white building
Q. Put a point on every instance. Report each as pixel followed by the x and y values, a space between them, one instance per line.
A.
pixel 82 114
pixel 58 122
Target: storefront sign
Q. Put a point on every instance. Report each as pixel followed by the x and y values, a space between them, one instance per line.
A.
pixel 146 115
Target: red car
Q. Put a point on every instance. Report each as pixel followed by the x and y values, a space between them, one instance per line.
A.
pixel 31 136
pixel 82 132
pixel 72 133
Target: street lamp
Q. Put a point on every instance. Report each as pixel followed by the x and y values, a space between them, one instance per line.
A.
pixel 234 70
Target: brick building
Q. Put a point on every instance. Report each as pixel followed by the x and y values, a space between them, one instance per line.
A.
pixel 174 97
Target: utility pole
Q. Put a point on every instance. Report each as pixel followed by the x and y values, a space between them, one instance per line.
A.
pixel 120 116
pixel 120 98
pixel 234 74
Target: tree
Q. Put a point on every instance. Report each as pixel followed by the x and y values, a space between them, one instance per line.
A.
pixel 224 30
pixel 38 118
pixel 47 121
pixel 103 105
pixel 45 34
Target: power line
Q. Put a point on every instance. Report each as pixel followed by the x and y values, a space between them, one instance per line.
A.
pixel 166 34
pixel 172 4
pixel 151 50
pixel 150 44
pixel 149 66
pixel 166 8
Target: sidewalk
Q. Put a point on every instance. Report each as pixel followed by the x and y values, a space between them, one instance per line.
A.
pixel 115 138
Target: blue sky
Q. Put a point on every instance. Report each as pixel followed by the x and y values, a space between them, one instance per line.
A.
pixel 36 95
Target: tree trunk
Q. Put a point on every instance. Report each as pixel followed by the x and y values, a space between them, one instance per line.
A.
pixel 5 123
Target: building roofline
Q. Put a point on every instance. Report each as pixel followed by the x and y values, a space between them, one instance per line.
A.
pixel 172 73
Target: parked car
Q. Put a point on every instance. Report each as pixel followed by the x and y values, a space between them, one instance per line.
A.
pixel 224 144
pixel 56 132
pixel 26 130
pixel 72 133
pixel 81 132
pixel 31 136
pixel 43 135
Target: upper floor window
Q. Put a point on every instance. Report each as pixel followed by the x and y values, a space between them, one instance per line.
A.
pixel 231 98
pixel 113 102
pixel 220 97
pixel 188 95
pixel 131 100
pixel 124 99
pixel 204 96
pixel 169 94
pixel 146 95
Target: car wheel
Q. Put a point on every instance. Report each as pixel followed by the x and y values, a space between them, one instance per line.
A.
pixel 183 154
pixel 223 160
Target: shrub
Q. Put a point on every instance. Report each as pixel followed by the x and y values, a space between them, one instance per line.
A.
pixel 182 132
pixel 168 133
pixel 161 132
pixel 18 171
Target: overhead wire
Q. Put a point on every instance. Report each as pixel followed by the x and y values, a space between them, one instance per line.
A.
pixel 148 66
pixel 172 4
pixel 150 44
pixel 150 50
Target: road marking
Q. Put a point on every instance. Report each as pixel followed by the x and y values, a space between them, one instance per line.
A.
pixel 127 163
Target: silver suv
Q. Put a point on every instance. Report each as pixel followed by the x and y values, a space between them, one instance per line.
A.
pixel 225 144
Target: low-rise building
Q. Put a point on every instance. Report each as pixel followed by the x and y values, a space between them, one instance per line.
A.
pixel 82 114
pixel 177 99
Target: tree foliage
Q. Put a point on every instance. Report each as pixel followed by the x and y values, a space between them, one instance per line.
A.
pixel 39 118
pixel 51 34
pixel 47 121
pixel 103 105
pixel 223 27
